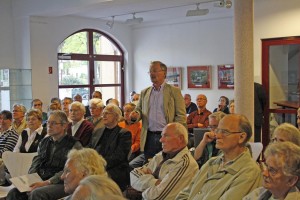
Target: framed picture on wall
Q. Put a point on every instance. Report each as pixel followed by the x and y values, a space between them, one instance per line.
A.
pixel 174 76
pixel 199 76
pixel 226 76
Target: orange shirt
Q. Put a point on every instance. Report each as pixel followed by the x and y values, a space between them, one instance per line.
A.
pixel 135 130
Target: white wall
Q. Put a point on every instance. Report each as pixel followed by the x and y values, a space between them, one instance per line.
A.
pixel 7 47
pixel 197 43
pixel 273 18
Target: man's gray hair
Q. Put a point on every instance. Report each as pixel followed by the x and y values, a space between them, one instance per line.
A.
pixel 179 129
pixel 287 156
pixel 115 109
pixel 290 132
pixel 61 115
pixel 78 104
pixel 98 102
pixel 21 107
pixel 217 115
pixel 244 126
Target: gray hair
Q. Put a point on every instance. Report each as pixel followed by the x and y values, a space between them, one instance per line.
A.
pixel 88 161
pixel 61 115
pixel 34 112
pixel 21 107
pixel 100 186
pixel 179 129
pixel 114 109
pixel 290 132
pixel 98 102
pixel 245 126
pixel 217 115
pixel 78 104
pixel 287 155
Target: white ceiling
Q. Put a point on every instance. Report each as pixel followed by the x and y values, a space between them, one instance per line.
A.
pixel 150 10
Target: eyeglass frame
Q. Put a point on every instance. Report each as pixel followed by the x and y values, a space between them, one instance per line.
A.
pixel 225 132
pixel 265 167
pixel 154 72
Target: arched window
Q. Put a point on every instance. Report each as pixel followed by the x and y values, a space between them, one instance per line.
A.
pixel 90 60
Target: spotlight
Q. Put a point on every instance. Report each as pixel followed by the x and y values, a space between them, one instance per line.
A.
pixel 110 24
pixel 197 12
pixel 228 3
pixel 134 20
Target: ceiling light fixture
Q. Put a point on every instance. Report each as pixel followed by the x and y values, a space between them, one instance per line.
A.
pixel 110 24
pixel 228 3
pixel 197 12
pixel 134 20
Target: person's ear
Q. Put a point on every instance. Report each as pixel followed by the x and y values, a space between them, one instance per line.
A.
pixel 293 181
pixel 243 138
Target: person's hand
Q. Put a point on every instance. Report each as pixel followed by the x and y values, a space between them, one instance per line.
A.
pixel 134 116
pixel 146 170
pixel 39 184
pixel 200 125
pixel 157 182
pixel 209 137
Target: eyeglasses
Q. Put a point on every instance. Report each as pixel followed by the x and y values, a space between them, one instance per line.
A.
pixel 107 113
pixel 38 104
pixel 201 99
pixel 49 123
pixel 225 132
pixel 212 127
pixel 275 139
pixel 270 170
pixel 17 111
pixel 154 71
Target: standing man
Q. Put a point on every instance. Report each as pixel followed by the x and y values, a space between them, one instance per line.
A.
pixel 50 161
pixel 259 106
pixel 189 105
pixel 79 128
pixel 158 105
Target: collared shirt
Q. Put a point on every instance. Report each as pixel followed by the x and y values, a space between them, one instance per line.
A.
pixel 76 126
pixel 157 120
pixel 31 137
pixel 20 128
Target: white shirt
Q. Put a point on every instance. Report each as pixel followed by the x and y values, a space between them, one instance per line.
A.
pixel 30 140
pixel 76 126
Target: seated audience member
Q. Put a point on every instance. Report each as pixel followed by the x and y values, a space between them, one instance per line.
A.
pixel 199 118
pixel 79 128
pixel 30 137
pixel 78 98
pixel 231 106
pixel 286 133
pixel 8 136
pixel 134 128
pixel 56 101
pixel 95 95
pixel 19 122
pixel 38 104
pixel 231 175
pixel 169 171
pixel 52 107
pixel 298 118
pixel 281 173
pixel 113 143
pixel 96 107
pixel 223 105
pixel 189 105
pixel 66 106
pixel 135 98
pixel 97 187
pixel 207 147
pixel 50 161
pixel 80 164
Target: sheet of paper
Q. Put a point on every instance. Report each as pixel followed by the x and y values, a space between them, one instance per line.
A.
pixel 23 182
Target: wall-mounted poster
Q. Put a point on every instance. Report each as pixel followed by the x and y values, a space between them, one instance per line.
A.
pixel 226 76
pixel 199 76
pixel 174 75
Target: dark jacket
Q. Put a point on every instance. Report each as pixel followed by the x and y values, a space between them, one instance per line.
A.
pixel 83 133
pixel 115 150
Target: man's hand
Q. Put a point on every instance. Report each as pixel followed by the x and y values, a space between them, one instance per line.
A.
pixel 209 137
pixel 39 184
pixel 146 170
pixel 134 116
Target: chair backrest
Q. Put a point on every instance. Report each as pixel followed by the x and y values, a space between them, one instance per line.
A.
pixel 17 164
pixel 198 135
pixel 256 148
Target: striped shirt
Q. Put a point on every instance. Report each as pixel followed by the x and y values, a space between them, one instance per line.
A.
pixel 8 140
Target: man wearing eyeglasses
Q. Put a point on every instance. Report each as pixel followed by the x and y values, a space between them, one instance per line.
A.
pixel 50 160
pixel 231 175
pixel 159 105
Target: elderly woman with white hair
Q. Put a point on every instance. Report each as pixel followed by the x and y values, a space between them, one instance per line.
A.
pixel 96 107
pixel 281 173
pixel 286 133
pixel 114 144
